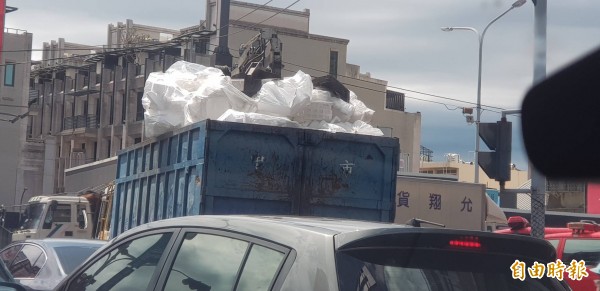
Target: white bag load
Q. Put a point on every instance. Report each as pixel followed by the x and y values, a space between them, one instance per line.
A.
pixel 317 110
pixel 323 125
pixel 341 110
pixel 163 104
pixel 361 111
pixel 187 93
pixel 216 95
pixel 257 118
pixel 361 127
pixel 285 98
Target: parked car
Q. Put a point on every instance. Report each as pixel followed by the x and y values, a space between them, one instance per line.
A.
pixel 42 264
pixel 306 253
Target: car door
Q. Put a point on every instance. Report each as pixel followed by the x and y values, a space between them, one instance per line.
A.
pixel 132 263
pixel 215 260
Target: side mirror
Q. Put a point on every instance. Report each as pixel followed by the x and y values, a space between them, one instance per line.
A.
pixel 82 219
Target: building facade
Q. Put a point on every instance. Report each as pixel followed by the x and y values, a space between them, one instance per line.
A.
pixel 89 104
pixel 465 171
pixel 15 67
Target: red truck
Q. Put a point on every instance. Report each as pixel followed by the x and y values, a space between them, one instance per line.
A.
pixel 577 241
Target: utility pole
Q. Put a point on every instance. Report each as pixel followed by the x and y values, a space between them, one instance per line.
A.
pixel 223 57
pixel 538 181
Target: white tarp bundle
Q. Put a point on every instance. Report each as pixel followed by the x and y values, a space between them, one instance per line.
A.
pixel 187 93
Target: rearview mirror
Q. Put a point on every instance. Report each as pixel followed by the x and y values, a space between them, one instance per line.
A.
pixel 561 121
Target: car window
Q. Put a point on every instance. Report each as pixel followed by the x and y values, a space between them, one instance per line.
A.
pixel 206 262
pixel 9 254
pixel 129 266
pixel 70 257
pixel 260 269
pixel 554 243
pixel 28 262
pixel 582 249
pixel 5 275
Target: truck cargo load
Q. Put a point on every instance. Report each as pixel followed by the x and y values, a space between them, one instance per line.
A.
pixel 216 167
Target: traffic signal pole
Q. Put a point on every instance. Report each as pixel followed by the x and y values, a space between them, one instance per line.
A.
pixel 538 181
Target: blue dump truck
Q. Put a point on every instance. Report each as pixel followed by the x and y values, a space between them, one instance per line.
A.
pixel 217 167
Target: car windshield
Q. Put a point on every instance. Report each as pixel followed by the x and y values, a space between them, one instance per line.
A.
pixel 33 216
pixel 72 256
pixel 383 270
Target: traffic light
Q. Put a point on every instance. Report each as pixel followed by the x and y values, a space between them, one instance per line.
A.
pixel 498 137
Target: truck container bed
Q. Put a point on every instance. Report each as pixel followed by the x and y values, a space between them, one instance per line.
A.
pixel 216 167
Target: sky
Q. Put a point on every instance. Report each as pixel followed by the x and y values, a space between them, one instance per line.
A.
pixel 395 40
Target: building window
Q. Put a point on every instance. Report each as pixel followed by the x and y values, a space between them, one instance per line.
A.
pixel 394 100
pixel 333 63
pixel 9 75
pixel 124 108
pixel 111 119
pixel 95 151
pixel 139 114
pixel 201 46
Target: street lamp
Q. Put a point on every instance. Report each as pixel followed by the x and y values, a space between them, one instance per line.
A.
pixel 517 4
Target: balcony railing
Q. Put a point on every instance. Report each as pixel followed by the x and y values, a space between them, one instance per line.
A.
pixel 80 121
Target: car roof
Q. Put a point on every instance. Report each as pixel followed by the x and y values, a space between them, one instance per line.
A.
pixel 244 223
pixel 296 230
pixel 62 242
pixel 281 229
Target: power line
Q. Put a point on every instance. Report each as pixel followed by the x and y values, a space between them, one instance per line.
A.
pixel 156 44
pixel 255 9
pixel 403 89
pixel 259 23
pixel 379 91
pixel 394 87
pixel 406 96
pixel 123 50
pixel 102 46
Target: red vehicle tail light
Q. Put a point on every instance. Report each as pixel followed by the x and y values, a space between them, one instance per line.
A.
pixel 466 242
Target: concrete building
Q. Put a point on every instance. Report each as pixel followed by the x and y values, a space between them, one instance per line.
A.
pixel 93 109
pixel 561 195
pixel 15 66
pixel 466 172
pixel 89 98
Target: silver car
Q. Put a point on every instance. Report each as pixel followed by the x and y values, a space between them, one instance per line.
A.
pixel 40 264
pixel 300 253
